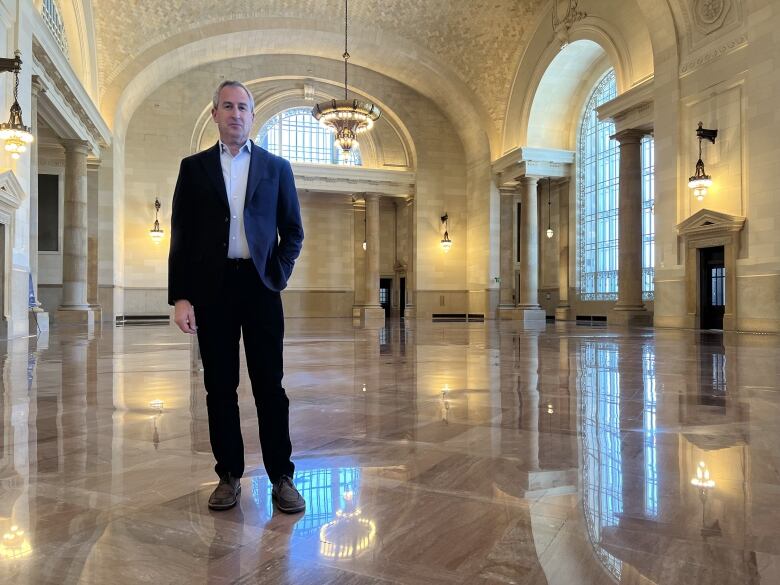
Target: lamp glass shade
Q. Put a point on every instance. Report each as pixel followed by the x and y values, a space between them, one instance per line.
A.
pixel 696 182
pixel 550 233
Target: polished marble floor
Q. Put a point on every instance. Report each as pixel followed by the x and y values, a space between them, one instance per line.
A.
pixel 428 454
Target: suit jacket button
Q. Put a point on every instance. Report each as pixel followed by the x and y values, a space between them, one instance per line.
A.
pixel 226 220
pixel 224 244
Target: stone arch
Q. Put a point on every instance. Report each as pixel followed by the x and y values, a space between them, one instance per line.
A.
pixel 597 42
pixel 269 105
pixel 425 74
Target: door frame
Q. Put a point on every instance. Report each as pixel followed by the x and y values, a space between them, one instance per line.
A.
pixel 707 229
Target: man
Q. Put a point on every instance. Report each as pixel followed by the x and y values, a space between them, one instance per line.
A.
pixel 235 234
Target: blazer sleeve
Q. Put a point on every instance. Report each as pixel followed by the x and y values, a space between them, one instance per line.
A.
pixel 180 253
pixel 288 220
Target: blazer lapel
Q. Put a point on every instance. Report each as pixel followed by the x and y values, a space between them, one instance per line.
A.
pixel 257 170
pixel 213 166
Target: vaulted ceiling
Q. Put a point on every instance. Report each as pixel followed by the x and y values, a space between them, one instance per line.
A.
pixel 481 41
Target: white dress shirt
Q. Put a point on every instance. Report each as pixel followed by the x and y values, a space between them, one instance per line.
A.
pixel 235 172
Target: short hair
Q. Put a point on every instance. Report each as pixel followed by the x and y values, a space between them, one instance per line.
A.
pixel 232 83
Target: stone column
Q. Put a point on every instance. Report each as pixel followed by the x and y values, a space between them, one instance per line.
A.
pixel 506 291
pixel 563 310
pixel 93 168
pixel 528 308
pixel 372 312
pixel 630 310
pixel 39 318
pixel 359 223
pixel 410 311
pixel 74 308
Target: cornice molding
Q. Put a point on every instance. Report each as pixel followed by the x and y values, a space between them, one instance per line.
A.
pixel 709 223
pixel 11 191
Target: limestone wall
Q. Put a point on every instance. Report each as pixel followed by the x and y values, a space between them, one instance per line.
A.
pixel 161 133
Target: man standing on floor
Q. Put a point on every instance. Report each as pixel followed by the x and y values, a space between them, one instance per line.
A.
pixel 235 234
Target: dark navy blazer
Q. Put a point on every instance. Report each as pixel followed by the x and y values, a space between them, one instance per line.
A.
pixel 200 225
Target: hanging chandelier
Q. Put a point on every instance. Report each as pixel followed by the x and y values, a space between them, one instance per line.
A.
pixel 16 135
pixel 348 117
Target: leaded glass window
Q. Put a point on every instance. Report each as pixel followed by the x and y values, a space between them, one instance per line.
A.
pixel 295 135
pixel 598 179
pixel 598 202
pixel 648 217
pixel 52 16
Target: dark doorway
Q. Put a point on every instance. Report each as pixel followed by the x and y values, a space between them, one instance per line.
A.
pixel 712 287
pixel 402 297
pixel 385 290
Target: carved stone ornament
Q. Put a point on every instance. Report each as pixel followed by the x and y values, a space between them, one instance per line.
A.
pixel 709 15
pixel 710 10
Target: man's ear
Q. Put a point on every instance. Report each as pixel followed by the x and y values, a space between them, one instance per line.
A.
pixel 214 114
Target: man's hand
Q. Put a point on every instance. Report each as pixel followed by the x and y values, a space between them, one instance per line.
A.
pixel 184 316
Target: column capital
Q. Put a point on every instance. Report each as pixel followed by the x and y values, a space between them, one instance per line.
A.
pixel 508 191
pixel 530 181
pixel 371 196
pixel 93 164
pixel 76 145
pixel 630 136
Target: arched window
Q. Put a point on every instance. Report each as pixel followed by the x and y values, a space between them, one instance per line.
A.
pixel 53 18
pixel 597 196
pixel 597 190
pixel 295 135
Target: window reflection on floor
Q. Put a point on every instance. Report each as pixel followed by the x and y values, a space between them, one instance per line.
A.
pixel 326 491
pixel 602 473
pixel 649 424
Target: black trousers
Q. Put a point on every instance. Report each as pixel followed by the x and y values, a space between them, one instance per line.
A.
pixel 246 307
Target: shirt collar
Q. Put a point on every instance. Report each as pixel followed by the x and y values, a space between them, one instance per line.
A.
pixel 223 149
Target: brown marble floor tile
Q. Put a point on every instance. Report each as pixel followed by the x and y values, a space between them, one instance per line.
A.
pixel 429 453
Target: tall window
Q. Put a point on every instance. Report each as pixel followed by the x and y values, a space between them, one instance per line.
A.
pixel 295 135
pixel 598 202
pixel 52 16
pixel 648 217
pixel 598 179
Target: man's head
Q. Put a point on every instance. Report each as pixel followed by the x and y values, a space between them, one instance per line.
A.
pixel 233 112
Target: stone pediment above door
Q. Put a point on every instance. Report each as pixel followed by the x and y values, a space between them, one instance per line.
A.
pixel 11 192
pixel 710 223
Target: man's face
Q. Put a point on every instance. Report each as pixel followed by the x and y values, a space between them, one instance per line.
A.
pixel 233 115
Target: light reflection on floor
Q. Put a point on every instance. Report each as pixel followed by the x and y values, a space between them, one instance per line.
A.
pixel 427 453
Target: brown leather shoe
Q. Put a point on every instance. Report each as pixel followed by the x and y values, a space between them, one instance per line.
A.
pixel 225 496
pixel 287 497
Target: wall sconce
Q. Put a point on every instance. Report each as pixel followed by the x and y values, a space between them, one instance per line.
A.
pixel 550 232
pixel 446 243
pixel 156 232
pixel 700 181
pixel 16 135
pixel 702 479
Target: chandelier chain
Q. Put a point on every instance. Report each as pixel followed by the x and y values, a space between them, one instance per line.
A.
pixel 346 47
